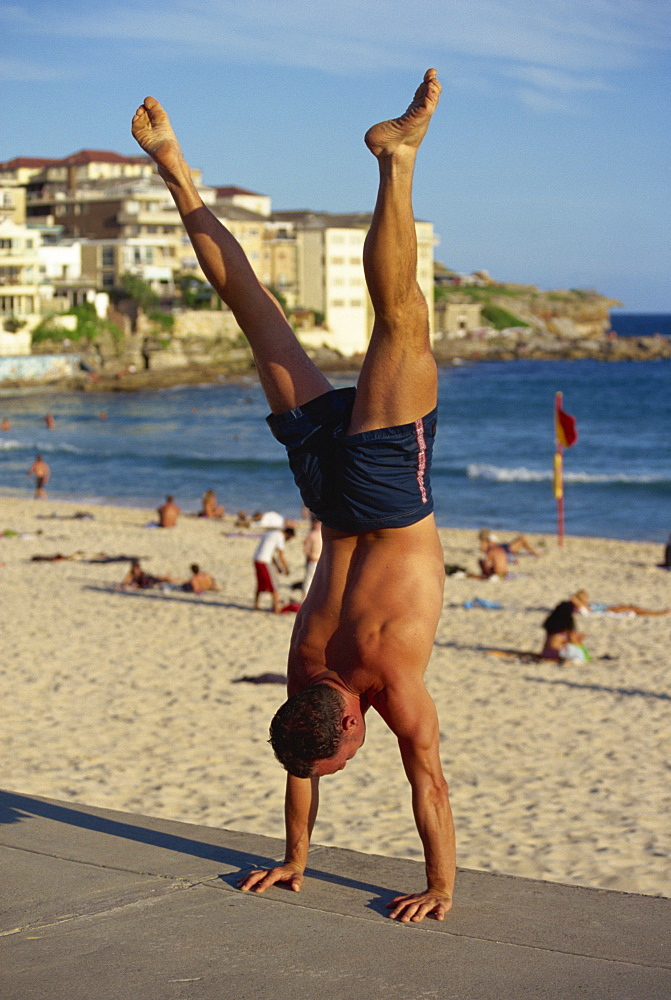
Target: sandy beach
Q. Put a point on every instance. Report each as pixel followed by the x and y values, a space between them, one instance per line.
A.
pixel 127 699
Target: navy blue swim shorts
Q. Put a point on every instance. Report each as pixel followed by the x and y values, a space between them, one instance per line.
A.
pixel 357 482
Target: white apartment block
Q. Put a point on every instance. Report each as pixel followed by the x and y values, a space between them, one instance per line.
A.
pixel 19 269
pixel 331 280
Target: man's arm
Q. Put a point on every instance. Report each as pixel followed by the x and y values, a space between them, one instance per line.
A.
pixel 411 714
pixel 301 803
pixel 281 563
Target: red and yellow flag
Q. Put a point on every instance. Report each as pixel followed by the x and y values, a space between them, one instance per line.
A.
pixel 565 427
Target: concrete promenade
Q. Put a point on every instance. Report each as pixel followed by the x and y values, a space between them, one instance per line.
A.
pixel 105 905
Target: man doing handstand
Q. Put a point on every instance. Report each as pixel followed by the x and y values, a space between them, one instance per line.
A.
pixel 361 458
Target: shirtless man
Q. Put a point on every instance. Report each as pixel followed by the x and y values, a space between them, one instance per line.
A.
pixel 200 581
pixel 364 635
pixel 41 471
pixel 497 556
pixel 168 512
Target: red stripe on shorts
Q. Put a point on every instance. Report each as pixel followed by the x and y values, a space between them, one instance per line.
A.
pixel 421 459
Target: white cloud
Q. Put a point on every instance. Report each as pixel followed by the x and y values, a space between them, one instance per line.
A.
pixel 23 71
pixel 554 47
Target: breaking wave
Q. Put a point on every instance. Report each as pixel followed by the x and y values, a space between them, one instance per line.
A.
pixel 521 474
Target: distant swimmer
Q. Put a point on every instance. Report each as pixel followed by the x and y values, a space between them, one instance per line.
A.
pixel 361 458
pixel 5 425
pixel 41 471
pixel 168 512
pixel 50 421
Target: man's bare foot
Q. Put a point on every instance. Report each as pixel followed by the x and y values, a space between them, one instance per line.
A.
pixel 407 132
pixel 151 128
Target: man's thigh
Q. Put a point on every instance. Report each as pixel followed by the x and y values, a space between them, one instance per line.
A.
pixel 398 384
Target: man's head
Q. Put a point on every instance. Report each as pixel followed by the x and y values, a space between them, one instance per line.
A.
pixel 289 533
pixel 487 539
pixel 580 600
pixel 313 733
pixel 195 568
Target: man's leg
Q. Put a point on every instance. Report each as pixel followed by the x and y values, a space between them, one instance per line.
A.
pixel 398 380
pixel 287 375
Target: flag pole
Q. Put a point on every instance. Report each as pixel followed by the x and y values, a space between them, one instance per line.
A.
pixel 559 472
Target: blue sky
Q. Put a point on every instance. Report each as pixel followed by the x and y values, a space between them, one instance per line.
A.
pixel 547 163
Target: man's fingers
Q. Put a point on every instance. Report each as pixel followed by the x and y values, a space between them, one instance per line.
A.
pixel 414 908
pixel 260 880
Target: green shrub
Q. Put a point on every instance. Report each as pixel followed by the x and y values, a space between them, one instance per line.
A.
pixel 500 318
pixel 163 319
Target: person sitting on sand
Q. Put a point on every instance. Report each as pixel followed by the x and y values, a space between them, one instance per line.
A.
pixel 242 520
pixel 562 640
pixel 667 555
pixel 137 579
pixel 41 471
pixel 210 507
pixel 168 512
pixel 361 458
pixel 499 556
pixel 200 581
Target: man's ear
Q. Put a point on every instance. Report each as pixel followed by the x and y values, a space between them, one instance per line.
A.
pixel 349 722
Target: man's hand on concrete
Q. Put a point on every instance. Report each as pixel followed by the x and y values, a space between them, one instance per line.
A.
pixel 419 905
pixel 262 878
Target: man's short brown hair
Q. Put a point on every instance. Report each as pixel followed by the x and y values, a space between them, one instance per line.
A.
pixel 307 728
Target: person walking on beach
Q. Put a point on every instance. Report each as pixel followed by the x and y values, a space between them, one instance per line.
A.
pixel 41 471
pixel 361 458
pixel 268 557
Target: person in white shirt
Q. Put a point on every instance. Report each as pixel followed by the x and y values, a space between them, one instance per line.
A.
pixel 268 557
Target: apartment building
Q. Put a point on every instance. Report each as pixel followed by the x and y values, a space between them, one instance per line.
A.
pixel 115 216
pixel 330 276
pixel 37 173
pixel 13 204
pixel 19 270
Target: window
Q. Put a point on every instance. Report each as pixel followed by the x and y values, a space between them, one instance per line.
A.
pixel 108 257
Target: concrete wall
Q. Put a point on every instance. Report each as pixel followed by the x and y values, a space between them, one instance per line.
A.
pixel 39 367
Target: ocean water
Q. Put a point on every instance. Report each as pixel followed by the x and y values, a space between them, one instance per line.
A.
pixel 492 460
pixel 641 324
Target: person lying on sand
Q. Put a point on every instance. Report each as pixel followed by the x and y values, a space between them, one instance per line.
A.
pixel 200 581
pixel 584 606
pixel 137 579
pixel 361 458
